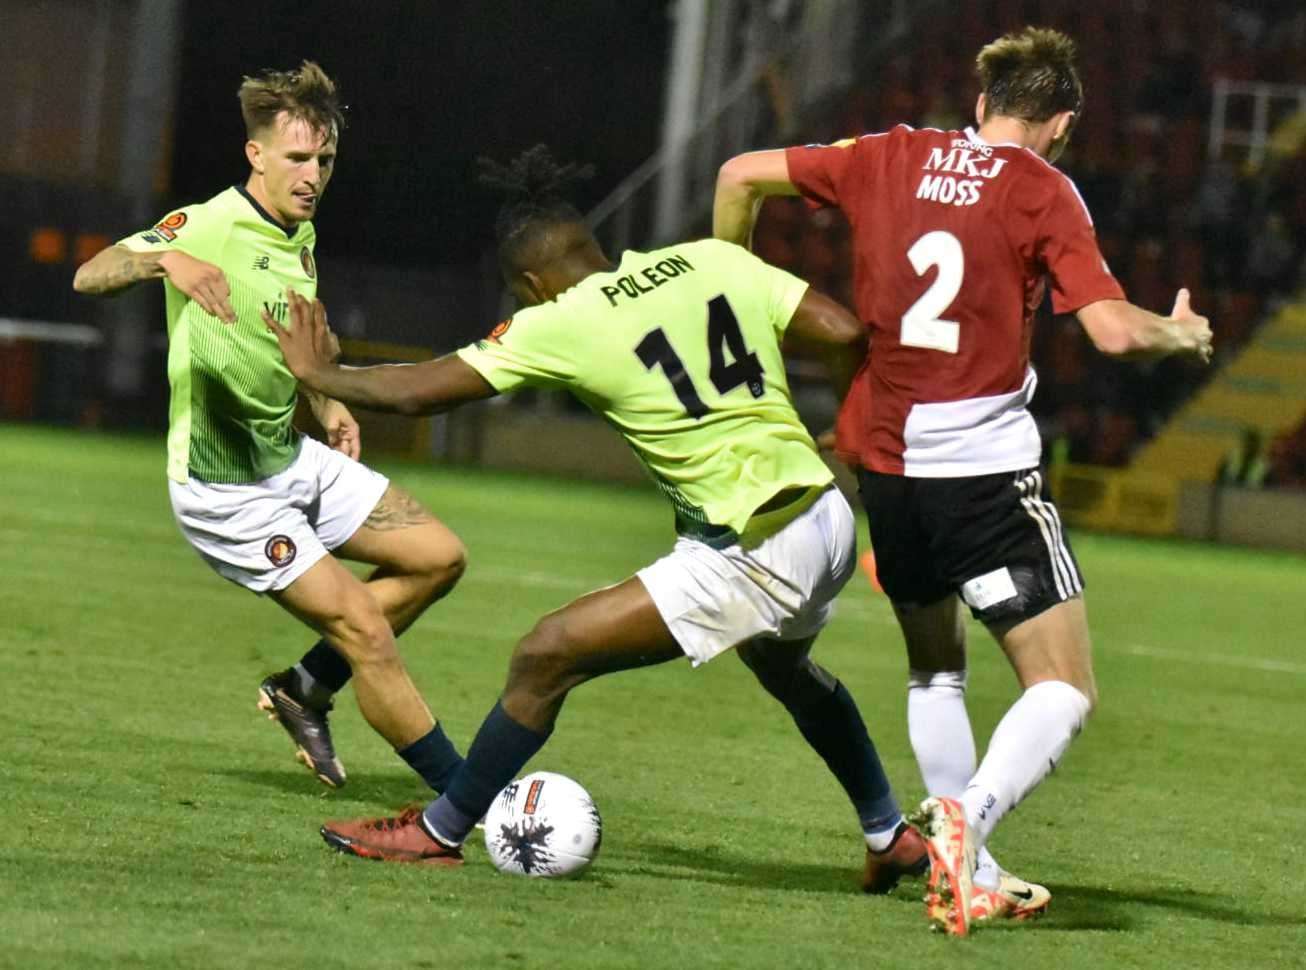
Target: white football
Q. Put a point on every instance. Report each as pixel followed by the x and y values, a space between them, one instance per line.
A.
pixel 543 825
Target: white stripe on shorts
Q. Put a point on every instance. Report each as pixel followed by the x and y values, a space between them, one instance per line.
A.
pixel 1063 571
pixel 1076 581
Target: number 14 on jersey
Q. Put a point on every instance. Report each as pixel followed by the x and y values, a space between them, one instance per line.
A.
pixel 723 334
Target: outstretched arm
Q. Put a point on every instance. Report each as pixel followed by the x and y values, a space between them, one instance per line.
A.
pixel 822 328
pixel 426 388
pixel 741 186
pixel 1120 329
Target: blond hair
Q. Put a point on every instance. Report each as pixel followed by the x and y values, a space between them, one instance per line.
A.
pixel 1030 75
pixel 306 94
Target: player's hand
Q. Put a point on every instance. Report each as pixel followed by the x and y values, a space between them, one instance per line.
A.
pixel 341 428
pixel 825 441
pixel 202 282
pixel 1196 328
pixel 308 345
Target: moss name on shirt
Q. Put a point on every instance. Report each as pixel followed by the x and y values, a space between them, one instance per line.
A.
pixel 232 396
pixel 679 349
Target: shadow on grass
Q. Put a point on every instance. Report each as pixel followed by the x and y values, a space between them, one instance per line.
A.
pixel 665 860
pixel 1101 908
pixel 1074 908
pixel 392 791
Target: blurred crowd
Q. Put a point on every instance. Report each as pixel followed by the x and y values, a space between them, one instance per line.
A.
pixel 1278 463
pixel 1169 212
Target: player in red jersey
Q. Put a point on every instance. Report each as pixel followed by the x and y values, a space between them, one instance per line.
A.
pixel 956 236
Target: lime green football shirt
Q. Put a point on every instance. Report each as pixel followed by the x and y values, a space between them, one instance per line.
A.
pixel 679 349
pixel 233 397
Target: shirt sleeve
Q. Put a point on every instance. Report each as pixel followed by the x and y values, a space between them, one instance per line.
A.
pixel 192 230
pixel 526 350
pixel 784 292
pixel 774 291
pixel 833 175
pixel 1069 251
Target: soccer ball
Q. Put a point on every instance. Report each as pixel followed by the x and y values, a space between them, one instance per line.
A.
pixel 543 825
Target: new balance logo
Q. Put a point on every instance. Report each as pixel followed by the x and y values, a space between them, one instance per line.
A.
pixel 261 262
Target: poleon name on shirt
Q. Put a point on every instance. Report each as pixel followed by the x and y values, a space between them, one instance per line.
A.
pixel 966 158
pixel 635 285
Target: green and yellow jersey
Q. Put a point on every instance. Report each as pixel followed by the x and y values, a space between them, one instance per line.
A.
pixel 679 349
pixel 232 395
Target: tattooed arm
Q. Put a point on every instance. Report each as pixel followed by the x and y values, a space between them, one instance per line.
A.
pixel 117 267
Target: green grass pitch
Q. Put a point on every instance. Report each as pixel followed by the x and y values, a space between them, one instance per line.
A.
pixel 152 819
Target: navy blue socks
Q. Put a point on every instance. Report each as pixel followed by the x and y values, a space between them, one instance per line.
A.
pixel 326 666
pixel 434 757
pixel 499 752
pixel 834 728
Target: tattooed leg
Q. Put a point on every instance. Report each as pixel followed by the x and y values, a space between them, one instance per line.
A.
pixel 419 559
pixel 397 510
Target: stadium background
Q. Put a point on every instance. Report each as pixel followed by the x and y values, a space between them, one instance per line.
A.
pixel 142 837
pixel 1190 155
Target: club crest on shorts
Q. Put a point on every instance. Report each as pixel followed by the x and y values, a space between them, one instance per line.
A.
pixel 306 261
pixel 280 551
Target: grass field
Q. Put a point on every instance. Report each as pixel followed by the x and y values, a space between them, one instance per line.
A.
pixel 152 819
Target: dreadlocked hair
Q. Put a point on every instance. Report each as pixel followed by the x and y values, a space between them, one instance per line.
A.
pixel 534 188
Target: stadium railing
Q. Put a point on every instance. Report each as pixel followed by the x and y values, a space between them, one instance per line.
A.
pixel 48 371
pixel 1270 105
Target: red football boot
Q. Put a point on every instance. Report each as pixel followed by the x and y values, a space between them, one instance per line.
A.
pixel 398 839
pixel 905 856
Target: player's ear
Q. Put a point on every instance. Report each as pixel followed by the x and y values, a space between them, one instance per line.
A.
pixel 979 109
pixel 254 152
pixel 526 289
pixel 535 284
pixel 1061 125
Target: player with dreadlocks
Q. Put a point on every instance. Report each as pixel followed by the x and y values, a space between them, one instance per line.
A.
pixel 679 349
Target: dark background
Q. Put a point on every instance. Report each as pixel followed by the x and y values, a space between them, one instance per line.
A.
pixel 430 86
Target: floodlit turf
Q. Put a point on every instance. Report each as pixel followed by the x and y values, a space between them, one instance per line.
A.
pixel 152 819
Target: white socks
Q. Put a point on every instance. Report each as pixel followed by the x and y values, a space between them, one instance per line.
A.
pixel 945 747
pixel 1027 744
pixel 939 727
pixel 940 730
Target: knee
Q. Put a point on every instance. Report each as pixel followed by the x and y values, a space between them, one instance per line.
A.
pixel 1084 682
pixel 361 633
pixel 794 682
pixel 445 567
pixel 1089 691
pixel 1070 693
pixel 543 662
pixel 776 679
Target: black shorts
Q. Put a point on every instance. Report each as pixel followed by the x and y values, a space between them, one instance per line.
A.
pixel 994 539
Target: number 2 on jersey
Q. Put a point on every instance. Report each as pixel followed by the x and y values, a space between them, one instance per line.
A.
pixel 723 334
pixel 921 326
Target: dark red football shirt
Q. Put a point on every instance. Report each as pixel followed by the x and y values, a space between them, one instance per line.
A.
pixel 954 243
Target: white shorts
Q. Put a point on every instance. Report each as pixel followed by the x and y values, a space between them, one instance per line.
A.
pixel 783 587
pixel 265 535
